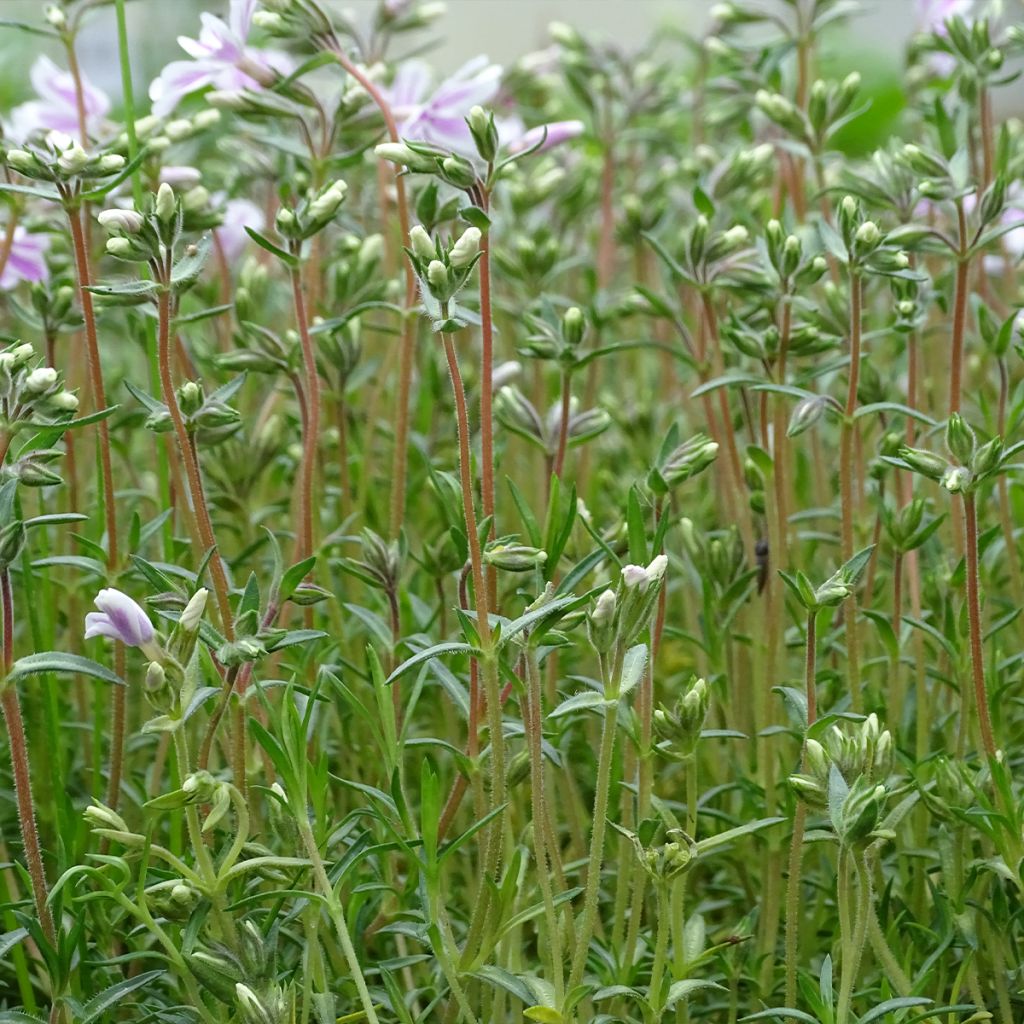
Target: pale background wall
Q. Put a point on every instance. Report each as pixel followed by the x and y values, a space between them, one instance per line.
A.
pixel 503 29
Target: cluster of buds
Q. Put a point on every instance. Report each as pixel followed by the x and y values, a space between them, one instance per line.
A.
pixel 556 338
pixel 355 274
pixel 174 898
pixel 970 45
pixel 707 252
pixel 422 158
pixel 52 309
pixel 743 170
pixel 829 107
pixel 30 395
pixel 866 246
pixel 836 589
pixel 619 616
pixel 444 270
pixel 939 181
pixel 758 337
pixel 973 463
pixel 530 257
pixel 270 1005
pixel 291 19
pixel 262 350
pixel 718 558
pixel 866 753
pixel 516 412
pixel 677 463
pixel 312 214
pixel 679 728
pixel 795 268
pixel 145 236
pixel 158 134
pixel 953 789
pixel 381 562
pixel 667 861
pixel 60 159
pixel 209 417
pixel 856 810
pixel 908 528
pixel 249 966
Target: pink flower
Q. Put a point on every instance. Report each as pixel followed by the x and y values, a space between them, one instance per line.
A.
pixel 26 260
pixel 932 15
pixel 238 215
pixel 220 58
pixel 56 108
pixel 120 618
pixel 439 117
pixel 557 132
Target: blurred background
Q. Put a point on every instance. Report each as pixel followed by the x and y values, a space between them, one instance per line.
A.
pixel 502 29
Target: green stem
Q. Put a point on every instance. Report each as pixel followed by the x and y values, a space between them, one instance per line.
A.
pixel 337 915
pixel 592 891
pixel 660 949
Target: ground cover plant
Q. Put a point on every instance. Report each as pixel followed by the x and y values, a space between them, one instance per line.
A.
pixel 512 544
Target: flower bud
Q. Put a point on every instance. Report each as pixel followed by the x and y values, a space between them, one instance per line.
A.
pixel 960 439
pixel 21 161
pixel 465 250
pixel 192 614
pixel 956 479
pixel 73 160
pixel 111 163
pixel 122 248
pixel 41 380
pixel 437 275
pixel 165 203
pixel 127 221
pixel 64 401
pixel 421 245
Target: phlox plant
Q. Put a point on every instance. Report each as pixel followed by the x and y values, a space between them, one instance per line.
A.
pixel 495 544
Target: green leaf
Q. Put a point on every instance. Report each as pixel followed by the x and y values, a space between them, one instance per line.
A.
pixel 633 665
pixel 684 989
pixel 428 654
pixel 187 269
pixel 713 842
pixel 781 1013
pixel 265 243
pixel 584 701
pixel 113 995
pixel 60 661
pixel 891 1006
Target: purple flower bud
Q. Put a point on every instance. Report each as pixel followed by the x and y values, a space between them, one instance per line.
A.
pixel 120 618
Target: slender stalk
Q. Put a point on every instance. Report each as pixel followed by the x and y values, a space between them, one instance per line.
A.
pixel 796 848
pixel 337 915
pixel 21 768
pixel 853 944
pixel 660 948
pixel 407 354
pixel 311 432
pixel 974 623
pixel 962 289
pixel 541 826
pixel 200 511
pixel 599 824
pixel 563 425
pixel 846 498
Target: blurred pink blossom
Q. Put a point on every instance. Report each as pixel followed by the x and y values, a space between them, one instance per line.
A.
pixel 220 57
pixel 26 260
pixel 238 215
pixel 56 108
pixel 932 15
pixel 439 117
pixel 553 134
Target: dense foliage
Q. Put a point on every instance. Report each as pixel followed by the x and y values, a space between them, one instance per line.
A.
pixel 540 544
